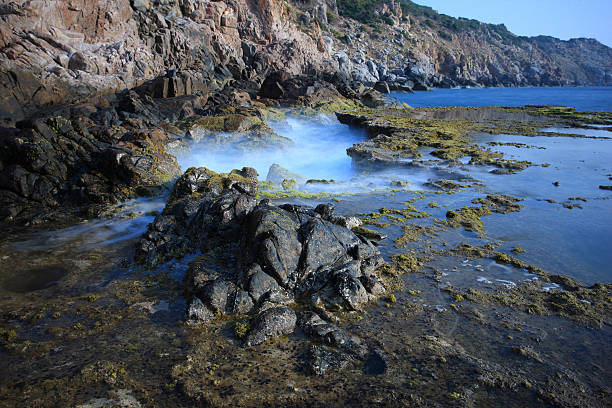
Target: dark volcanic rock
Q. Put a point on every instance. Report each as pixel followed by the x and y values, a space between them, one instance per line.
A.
pixel 271 323
pixel 198 312
pixel 337 349
pixel 274 256
pixel 204 207
pixel 329 334
pixel 307 254
pixel 72 160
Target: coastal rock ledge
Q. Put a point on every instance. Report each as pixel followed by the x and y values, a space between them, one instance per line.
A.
pixel 262 260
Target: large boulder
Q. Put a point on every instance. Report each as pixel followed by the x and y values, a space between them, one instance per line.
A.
pixel 309 255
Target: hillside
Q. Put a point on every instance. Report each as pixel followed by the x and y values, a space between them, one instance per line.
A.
pixel 446 51
pixel 71 51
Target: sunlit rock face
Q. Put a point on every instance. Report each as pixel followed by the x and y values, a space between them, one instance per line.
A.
pixel 66 51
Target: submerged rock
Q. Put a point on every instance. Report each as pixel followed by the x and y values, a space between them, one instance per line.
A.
pixel 324 358
pixel 278 174
pixel 337 349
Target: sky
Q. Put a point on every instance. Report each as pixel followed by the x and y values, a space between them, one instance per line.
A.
pixel 563 19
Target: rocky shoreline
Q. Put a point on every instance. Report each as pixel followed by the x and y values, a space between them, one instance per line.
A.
pixel 244 292
pixel 74 53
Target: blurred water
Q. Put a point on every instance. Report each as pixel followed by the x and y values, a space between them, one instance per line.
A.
pixel 318 151
pixel 129 220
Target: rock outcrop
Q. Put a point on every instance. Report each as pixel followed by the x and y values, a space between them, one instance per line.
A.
pixel 83 157
pixel 273 256
pixel 69 51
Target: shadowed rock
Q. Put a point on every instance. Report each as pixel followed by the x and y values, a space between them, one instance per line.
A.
pixel 271 323
pixel 204 207
pixel 280 255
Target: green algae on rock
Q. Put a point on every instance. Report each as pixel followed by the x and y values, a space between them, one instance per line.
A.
pixel 590 306
pixel 413 233
pixel 468 218
pixel 398 134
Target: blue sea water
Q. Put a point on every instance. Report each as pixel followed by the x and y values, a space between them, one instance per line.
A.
pixel 582 98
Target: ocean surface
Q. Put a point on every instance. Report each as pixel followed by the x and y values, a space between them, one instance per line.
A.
pixel 582 98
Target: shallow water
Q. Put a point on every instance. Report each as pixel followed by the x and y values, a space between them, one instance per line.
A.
pixel 318 151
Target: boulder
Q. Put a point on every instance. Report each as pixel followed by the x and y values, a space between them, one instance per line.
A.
pixel 198 312
pixel 274 322
pixel 280 255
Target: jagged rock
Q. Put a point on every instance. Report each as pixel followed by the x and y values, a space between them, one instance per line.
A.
pixel 274 322
pixel 282 254
pixel 274 298
pixel 306 253
pixel 198 312
pixel 278 251
pixel 243 303
pixel 68 161
pixel 261 283
pixel 217 295
pixel 192 220
pixel 350 287
pixel 331 335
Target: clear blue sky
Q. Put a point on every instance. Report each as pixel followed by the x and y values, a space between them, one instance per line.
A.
pixel 563 19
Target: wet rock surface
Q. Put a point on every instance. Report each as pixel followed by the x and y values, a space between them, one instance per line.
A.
pixel 204 207
pixel 85 156
pixel 284 255
pixel 399 134
pixel 273 322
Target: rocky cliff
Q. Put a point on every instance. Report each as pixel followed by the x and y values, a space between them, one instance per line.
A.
pixel 67 51
pixel 443 51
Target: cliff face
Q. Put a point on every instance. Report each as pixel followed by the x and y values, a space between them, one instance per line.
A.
pixel 439 50
pixel 67 51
